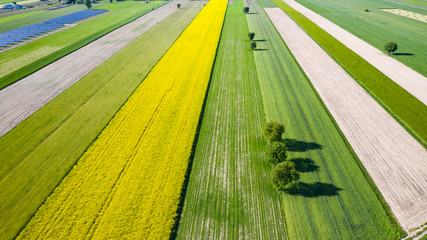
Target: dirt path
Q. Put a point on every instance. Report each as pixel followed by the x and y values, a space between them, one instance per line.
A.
pixel 22 99
pixel 393 158
pixel 410 80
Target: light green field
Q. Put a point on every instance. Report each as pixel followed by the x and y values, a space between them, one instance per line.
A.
pixel 405 108
pixel 333 199
pixel 229 193
pixel 39 152
pixel 378 27
pixel 21 61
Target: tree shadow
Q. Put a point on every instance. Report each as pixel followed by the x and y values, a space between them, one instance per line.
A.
pixel 305 165
pixel 403 54
pixel 260 49
pixel 252 13
pixel 260 40
pixel 294 145
pixel 312 190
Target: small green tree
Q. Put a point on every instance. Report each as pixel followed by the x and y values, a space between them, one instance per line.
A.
pixel 273 131
pixel 253 45
pixel 276 153
pixel 366 10
pixel 111 1
pixel 283 174
pixel 390 47
pixel 246 9
pixel 178 5
pixel 251 36
pixel 88 4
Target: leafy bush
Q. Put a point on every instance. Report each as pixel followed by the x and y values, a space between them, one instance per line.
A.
pixel 178 5
pixel 366 10
pixel 390 47
pixel 253 45
pixel 273 131
pixel 251 35
pixel 246 9
pixel 283 174
pixel 276 153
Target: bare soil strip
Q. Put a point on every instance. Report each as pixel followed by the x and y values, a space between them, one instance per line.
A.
pixel 393 158
pixel 408 14
pixel 407 78
pixel 22 99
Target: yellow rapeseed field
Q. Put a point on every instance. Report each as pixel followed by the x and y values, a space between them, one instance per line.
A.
pixel 128 183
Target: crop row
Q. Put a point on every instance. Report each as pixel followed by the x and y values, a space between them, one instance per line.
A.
pixel 128 183
pixel 229 194
pixel 39 152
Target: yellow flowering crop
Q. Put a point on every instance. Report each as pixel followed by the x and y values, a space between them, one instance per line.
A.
pixel 128 183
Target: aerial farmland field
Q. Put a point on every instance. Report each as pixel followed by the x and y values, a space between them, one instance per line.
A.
pixel 148 122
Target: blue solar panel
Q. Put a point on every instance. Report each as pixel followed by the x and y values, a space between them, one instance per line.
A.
pixel 23 33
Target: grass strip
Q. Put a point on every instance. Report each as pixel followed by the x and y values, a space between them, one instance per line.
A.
pixel 39 152
pixel 229 193
pixel 405 108
pixel 128 183
pixel 35 55
pixel 333 199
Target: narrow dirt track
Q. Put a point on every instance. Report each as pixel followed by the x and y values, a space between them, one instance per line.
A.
pixel 393 158
pixel 407 78
pixel 22 99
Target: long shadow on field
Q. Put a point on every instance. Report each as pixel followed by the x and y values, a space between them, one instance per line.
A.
pixel 312 190
pixel 260 49
pixel 305 165
pixel 260 40
pixel 294 145
pixel 403 54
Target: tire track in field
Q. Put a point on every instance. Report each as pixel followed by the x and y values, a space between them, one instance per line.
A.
pixel 394 159
pixel 410 80
pixel 21 99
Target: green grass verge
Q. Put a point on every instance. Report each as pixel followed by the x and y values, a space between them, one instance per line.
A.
pixel 22 61
pixel 39 152
pixel 229 193
pixel 377 27
pixel 405 108
pixel 333 199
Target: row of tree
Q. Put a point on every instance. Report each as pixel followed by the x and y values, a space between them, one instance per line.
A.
pixel 284 171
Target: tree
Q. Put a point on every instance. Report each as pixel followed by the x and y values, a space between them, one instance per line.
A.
pixel 276 153
pixel 273 131
pixel 251 35
pixel 111 1
pixel 283 174
pixel 253 45
pixel 390 47
pixel 178 5
pixel 88 4
pixel 246 9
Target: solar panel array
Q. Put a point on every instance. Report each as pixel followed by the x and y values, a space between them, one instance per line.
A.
pixel 19 34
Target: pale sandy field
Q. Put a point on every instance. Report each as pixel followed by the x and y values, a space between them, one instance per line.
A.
pixel 404 13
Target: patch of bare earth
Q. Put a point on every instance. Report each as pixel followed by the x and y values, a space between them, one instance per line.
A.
pixel 21 99
pixel 407 78
pixel 396 162
pixel 408 14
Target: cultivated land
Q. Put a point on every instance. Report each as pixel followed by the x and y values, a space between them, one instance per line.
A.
pixel 24 60
pixel 25 19
pixel 40 151
pixel 393 158
pixel 417 16
pixel 333 199
pixel 407 109
pixel 377 27
pixel 230 194
pixel 407 78
pixel 25 97
pixel 128 183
